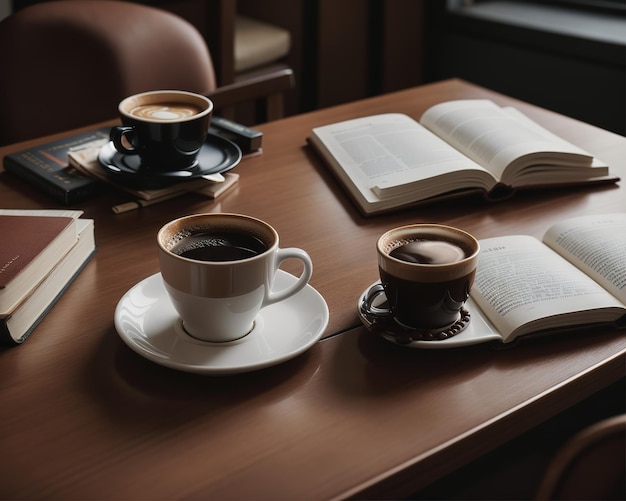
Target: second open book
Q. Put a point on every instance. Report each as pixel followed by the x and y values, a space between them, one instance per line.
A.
pixel 390 161
pixel 574 278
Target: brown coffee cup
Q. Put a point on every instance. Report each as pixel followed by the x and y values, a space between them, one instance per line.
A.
pixel 166 128
pixel 426 273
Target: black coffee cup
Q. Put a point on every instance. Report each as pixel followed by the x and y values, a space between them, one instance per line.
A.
pixel 426 272
pixel 166 128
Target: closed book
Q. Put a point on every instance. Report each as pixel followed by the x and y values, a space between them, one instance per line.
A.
pixel 34 242
pixel 17 325
pixel 46 167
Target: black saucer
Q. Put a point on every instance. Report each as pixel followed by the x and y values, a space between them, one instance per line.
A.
pixel 391 329
pixel 217 156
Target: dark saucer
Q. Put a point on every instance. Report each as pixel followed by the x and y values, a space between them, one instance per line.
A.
pixel 217 156
pixel 391 329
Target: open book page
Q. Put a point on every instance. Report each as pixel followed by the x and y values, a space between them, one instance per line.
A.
pixel 496 139
pixel 555 172
pixel 524 286
pixel 383 154
pixel 597 245
pixel 479 330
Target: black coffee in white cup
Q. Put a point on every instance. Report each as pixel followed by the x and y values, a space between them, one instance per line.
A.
pixel 218 270
pixel 219 245
pixel 166 128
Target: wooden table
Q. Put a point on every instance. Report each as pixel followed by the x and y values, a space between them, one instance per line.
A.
pixel 83 416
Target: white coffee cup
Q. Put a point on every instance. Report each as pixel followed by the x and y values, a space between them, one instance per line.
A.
pixel 219 269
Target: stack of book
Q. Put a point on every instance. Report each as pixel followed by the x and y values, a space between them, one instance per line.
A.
pixel 46 167
pixel 68 170
pixel 85 161
pixel 41 254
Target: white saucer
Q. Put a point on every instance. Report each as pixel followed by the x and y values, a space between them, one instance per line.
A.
pixel 147 322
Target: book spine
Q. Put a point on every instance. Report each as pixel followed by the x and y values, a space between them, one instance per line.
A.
pixel 246 138
pixel 46 167
pixel 5 335
pixel 65 191
pixel 43 183
pixel 7 339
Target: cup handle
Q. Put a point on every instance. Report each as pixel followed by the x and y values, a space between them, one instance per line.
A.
pixel 291 253
pixel 367 304
pixel 118 134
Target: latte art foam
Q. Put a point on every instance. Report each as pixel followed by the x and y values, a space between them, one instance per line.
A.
pixel 165 111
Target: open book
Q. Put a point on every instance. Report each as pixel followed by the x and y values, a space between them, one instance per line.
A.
pixel 391 161
pixel 574 279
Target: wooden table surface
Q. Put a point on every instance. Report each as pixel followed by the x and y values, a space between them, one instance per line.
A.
pixel 83 416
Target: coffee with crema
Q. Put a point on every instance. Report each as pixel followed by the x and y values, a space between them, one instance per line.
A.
pixel 429 250
pixel 426 272
pixel 165 111
pixel 223 245
pixel 166 129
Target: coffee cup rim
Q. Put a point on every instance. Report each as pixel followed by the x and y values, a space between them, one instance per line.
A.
pixel 407 228
pixel 192 96
pixel 227 215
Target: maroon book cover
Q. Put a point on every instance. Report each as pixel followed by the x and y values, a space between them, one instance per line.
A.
pixel 24 239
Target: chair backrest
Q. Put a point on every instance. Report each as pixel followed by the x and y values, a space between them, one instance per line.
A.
pixel 67 64
pixel 592 465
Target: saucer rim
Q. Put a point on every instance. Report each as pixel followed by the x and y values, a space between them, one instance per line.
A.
pixel 208 369
pixel 232 153
pixel 450 343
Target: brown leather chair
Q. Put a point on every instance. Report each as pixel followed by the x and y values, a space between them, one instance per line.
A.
pixel 68 63
pixel 592 465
